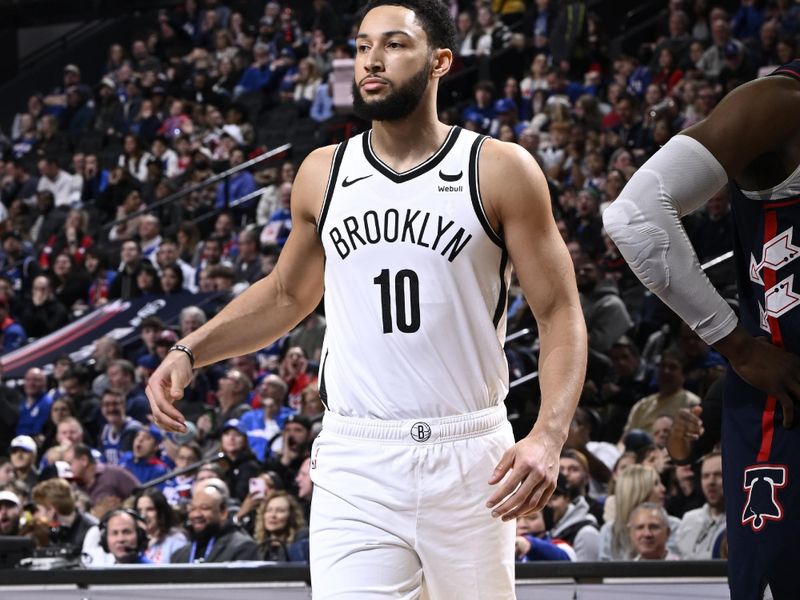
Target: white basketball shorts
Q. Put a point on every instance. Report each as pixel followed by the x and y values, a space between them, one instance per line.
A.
pixel 399 509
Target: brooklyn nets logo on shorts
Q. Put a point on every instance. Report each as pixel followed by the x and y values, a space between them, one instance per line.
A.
pixel 421 432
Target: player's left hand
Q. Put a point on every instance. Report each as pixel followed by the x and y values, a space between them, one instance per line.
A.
pixel 533 465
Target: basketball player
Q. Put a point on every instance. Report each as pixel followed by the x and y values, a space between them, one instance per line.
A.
pixel 753 140
pixel 411 230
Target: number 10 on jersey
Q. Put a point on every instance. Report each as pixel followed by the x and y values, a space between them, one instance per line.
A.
pixel 406 282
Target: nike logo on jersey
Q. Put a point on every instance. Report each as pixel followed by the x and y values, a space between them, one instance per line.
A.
pixel 446 177
pixel 346 183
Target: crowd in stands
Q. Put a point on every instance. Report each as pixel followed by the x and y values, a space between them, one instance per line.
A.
pixel 180 103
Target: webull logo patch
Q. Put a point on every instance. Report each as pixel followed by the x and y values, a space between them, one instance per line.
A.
pixel 450 188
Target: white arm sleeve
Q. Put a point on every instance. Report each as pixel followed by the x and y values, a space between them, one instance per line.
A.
pixel 644 222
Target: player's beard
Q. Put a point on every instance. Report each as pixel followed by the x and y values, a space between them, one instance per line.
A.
pixel 398 103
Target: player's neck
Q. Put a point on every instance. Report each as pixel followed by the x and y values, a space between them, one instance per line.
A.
pixel 404 144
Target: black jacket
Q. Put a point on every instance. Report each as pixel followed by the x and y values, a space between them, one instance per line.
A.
pixel 230 545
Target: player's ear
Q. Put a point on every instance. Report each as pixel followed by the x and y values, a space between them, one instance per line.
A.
pixel 442 61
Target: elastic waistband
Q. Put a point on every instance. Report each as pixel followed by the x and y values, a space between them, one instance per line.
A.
pixel 417 431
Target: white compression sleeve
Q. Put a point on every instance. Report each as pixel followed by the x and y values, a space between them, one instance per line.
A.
pixel 644 222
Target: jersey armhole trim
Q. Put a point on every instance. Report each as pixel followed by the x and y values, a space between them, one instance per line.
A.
pixel 333 175
pixel 475 192
pixel 503 296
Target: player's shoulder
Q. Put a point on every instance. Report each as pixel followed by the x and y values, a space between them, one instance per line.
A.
pixel 319 159
pixel 509 166
pixel 311 181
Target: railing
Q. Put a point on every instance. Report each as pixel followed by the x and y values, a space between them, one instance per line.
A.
pixel 224 177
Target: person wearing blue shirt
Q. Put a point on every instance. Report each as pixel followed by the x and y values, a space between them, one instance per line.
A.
pixel 117 435
pixel 14 335
pixel 239 185
pixel 260 426
pixel 143 461
pixel 34 408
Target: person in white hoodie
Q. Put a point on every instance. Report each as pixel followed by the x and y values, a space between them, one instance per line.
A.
pixel 573 523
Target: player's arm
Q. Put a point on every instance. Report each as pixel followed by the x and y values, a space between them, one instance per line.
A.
pixel 644 221
pixel 517 202
pixel 266 310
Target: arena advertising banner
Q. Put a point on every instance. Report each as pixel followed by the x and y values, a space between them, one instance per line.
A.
pixel 119 319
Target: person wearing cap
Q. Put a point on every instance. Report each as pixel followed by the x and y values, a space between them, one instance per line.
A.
pixel 57 500
pixel 573 523
pixel 10 512
pixel 23 453
pixel 242 464
pixel 144 461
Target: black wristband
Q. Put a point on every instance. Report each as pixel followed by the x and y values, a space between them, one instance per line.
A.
pixel 185 350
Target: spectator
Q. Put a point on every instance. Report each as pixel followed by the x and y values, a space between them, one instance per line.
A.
pixel 700 529
pixel 247 265
pixel 124 284
pixel 713 59
pixel 144 461
pixel 75 383
pixel 239 185
pixel 649 532
pixel 122 378
pixel 574 466
pixel 49 219
pixel 178 490
pixel 18 265
pixel 168 254
pixel 279 225
pixel 213 537
pixel 534 544
pixel 149 233
pixel 163 535
pixel 261 427
pixel 607 319
pixel 10 513
pixel 101 277
pixel 670 397
pixel 69 525
pixel 305 487
pixel 241 462
pixel 14 335
pixel 636 484
pixel 124 537
pixel 70 283
pixel 74 239
pixel 133 159
pixel 119 431
pixel 573 523
pixel 34 409
pixel 661 429
pixel 106 485
pixel 280 530
pixel 66 188
pixel 69 431
pixel 23 458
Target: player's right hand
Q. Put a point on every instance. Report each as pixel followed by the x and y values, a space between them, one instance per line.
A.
pixel 165 387
pixel 772 370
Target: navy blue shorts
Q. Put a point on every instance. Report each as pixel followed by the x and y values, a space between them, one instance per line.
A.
pixel 761 479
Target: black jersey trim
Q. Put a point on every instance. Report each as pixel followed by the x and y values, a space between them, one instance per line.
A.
pixel 501 301
pixel 790 69
pixel 323 392
pixel 475 192
pixel 338 154
pixel 420 169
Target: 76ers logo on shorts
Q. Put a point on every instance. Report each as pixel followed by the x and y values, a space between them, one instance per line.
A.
pixel 762 482
pixel 420 432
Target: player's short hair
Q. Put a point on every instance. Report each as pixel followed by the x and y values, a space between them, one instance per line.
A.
pixel 432 16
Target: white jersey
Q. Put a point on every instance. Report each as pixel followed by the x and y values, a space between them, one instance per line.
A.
pixel 416 286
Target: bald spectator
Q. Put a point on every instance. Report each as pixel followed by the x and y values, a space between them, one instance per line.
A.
pixel 649 532
pixel 213 536
pixel 44 314
pixel 69 524
pixel 106 485
pixel 34 408
pixel 190 319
